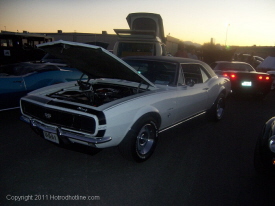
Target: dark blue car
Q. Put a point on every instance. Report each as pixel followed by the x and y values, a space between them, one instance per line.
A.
pixel 16 80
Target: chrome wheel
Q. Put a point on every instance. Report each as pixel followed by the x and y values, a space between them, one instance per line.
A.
pixel 146 139
pixel 141 140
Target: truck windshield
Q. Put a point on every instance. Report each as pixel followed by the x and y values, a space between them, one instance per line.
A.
pixel 136 49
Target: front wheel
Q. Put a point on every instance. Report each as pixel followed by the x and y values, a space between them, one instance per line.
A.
pixel 140 142
pixel 263 156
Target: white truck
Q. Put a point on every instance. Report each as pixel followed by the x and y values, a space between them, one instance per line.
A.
pixel 144 38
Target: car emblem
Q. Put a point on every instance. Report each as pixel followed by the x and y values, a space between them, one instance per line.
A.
pixel 47 115
pixel 82 109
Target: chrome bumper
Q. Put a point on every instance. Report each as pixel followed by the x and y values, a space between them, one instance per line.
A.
pixel 61 133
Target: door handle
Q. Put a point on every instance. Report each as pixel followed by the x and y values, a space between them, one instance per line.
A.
pixel 205 89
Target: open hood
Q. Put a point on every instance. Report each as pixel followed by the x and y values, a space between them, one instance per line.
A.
pixel 93 61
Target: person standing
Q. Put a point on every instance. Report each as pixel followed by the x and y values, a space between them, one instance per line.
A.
pixel 192 55
pixel 181 52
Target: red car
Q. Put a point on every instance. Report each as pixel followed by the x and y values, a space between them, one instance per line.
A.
pixel 244 78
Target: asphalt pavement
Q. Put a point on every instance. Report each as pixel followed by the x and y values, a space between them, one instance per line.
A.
pixel 197 163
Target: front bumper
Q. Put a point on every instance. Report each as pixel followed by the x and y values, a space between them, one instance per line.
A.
pixel 67 136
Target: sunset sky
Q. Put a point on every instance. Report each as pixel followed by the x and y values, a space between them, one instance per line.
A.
pixel 246 22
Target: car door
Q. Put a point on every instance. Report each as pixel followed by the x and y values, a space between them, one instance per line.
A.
pixel 192 91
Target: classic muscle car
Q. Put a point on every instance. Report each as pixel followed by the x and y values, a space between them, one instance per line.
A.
pixel 16 80
pixel 122 105
pixel 264 155
pixel 244 78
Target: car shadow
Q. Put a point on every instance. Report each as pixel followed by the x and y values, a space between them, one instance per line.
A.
pixel 250 97
pixel 81 148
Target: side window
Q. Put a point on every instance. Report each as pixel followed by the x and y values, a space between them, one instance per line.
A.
pixel 205 77
pixel 10 42
pixel 4 43
pixel 192 73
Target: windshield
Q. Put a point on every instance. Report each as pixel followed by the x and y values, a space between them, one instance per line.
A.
pixel 135 49
pixel 157 72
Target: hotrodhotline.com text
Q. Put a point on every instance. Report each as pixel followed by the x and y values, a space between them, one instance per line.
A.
pixel 39 197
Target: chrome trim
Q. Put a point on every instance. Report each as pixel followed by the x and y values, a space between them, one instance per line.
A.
pixel 62 133
pixel 185 120
pixel 9 108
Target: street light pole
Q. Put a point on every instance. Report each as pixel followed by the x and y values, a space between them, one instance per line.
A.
pixel 226 34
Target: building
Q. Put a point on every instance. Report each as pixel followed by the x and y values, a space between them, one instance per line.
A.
pixel 171 42
pixel 85 37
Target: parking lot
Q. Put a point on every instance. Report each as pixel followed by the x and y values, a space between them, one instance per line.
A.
pixel 196 163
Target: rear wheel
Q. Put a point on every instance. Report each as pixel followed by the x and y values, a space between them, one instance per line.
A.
pixel 140 142
pixel 216 112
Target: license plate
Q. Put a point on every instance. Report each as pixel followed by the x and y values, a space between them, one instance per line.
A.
pixel 246 84
pixel 51 137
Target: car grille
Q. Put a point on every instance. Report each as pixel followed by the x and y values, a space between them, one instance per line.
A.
pixel 59 118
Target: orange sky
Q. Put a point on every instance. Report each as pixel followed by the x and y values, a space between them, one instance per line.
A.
pixel 246 22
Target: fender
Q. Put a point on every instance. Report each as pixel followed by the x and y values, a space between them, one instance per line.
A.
pixel 263 139
pixel 223 88
pixel 150 110
pixel 146 111
pixel 266 128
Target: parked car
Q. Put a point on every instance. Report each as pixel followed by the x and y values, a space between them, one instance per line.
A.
pixel 272 74
pixel 16 80
pixel 244 78
pixel 122 105
pixel 268 66
pixel 250 59
pixel 264 156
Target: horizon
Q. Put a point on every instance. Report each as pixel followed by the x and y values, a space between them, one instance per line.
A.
pixel 231 22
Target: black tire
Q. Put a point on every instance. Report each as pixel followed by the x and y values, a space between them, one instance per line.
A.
pixel 216 112
pixel 140 142
pixel 263 157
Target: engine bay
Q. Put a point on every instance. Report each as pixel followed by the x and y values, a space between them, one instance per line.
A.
pixel 95 94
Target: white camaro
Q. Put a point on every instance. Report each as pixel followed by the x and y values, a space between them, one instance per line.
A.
pixel 122 105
